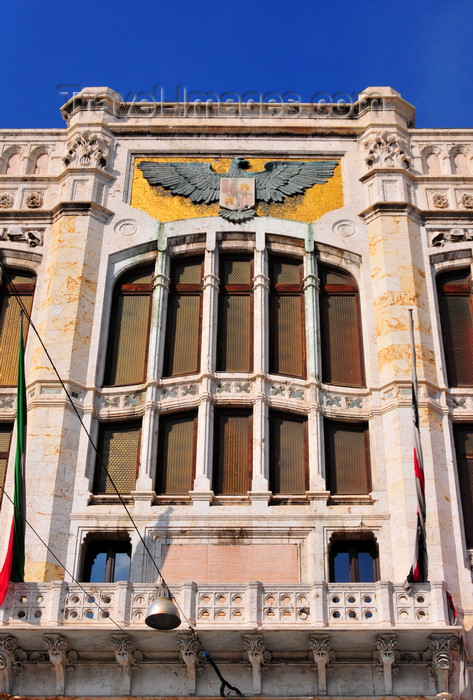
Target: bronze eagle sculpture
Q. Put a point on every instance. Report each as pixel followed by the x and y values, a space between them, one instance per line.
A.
pixel 238 190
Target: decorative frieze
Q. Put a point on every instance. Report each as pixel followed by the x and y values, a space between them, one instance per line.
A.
pixel 34 200
pixel 441 237
pixel 179 391
pixel 31 235
pixel 122 401
pixel 344 401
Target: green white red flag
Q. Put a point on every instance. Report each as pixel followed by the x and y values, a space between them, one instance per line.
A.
pixel 13 562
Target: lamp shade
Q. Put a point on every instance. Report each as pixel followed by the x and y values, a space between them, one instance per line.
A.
pixel 162 613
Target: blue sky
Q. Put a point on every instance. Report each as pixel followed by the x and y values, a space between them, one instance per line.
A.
pixel 420 48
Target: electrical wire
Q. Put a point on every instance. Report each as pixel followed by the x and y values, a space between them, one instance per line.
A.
pixel 104 467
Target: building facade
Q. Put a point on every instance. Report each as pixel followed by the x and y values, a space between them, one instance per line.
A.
pixel 219 389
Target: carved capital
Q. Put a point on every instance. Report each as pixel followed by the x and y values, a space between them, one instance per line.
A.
pixel 323 657
pixel 258 657
pixel 191 655
pixel 440 660
pixel 386 150
pixel 61 657
pixel 386 655
pixel 87 150
pixel 12 658
pixel 126 653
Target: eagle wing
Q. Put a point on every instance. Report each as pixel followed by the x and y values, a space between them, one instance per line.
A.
pixel 194 180
pixel 280 179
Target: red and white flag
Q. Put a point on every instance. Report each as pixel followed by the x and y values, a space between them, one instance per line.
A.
pixel 419 568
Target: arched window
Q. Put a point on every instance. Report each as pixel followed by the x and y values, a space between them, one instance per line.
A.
pixel 456 314
pixel 129 329
pixel 460 163
pixel 286 322
pixel 13 164
pixel 15 283
pixel 41 164
pixel 341 338
pixel 432 164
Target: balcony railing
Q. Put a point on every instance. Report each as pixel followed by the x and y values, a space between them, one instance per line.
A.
pixel 329 605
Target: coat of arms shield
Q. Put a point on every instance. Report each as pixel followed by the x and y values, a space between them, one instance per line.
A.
pixel 237 193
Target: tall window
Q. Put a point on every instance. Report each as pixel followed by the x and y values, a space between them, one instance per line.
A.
pixel 353 558
pixel 176 453
pixel 463 434
pixel 21 283
pixel 106 560
pixel 118 447
pixel 129 328
pixel 287 342
pixel 182 353
pixel 347 458
pixel 232 452
pixel 455 302
pixel 288 453
pixel 5 437
pixel 342 354
pixel 235 323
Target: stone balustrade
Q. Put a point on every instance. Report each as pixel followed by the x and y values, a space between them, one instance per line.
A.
pixel 330 605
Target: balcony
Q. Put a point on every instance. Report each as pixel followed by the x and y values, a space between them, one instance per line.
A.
pixel 329 606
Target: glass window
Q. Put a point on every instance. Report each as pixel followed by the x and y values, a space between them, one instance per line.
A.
pixel 107 561
pixel 119 445
pixel 347 458
pixel 232 452
pixel 235 336
pixel 129 329
pixel 288 453
pixel 342 353
pixel 454 291
pixel 182 352
pixel 287 336
pixel 353 560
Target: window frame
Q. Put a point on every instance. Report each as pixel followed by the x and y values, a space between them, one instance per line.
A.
pixel 99 461
pixel 6 428
pixel 458 290
pixel 217 474
pixel 166 418
pixel 277 413
pixel 353 543
pixel 98 543
pixel 24 290
pixel 330 466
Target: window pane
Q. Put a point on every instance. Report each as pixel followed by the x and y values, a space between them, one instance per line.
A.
pixel 129 338
pixel 341 341
pixel 235 347
pixel 347 459
pixel 287 455
pixel 119 447
pixel 232 453
pixel 176 454
pixel 236 271
pixel 341 567
pixel 97 569
pixel 366 567
pixel 285 271
pixel 464 450
pixel 122 566
pixel 457 325
pixel 183 351
pixel 286 341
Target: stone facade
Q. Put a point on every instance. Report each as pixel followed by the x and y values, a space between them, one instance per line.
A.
pixel 252 569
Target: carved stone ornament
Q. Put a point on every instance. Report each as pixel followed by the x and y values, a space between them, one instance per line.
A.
pixel 386 150
pixel 34 200
pixel 87 150
pixel 61 657
pixel 6 200
pixel 191 655
pixel 238 191
pixel 323 657
pixel 466 200
pixel 453 235
pixel 439 658
pixel 386 655
pixel 128 656
pixel 31 236
pixel 12 658
pixel 439 200
pixel 258 657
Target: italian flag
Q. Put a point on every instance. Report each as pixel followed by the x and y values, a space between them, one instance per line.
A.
pixel 13 567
